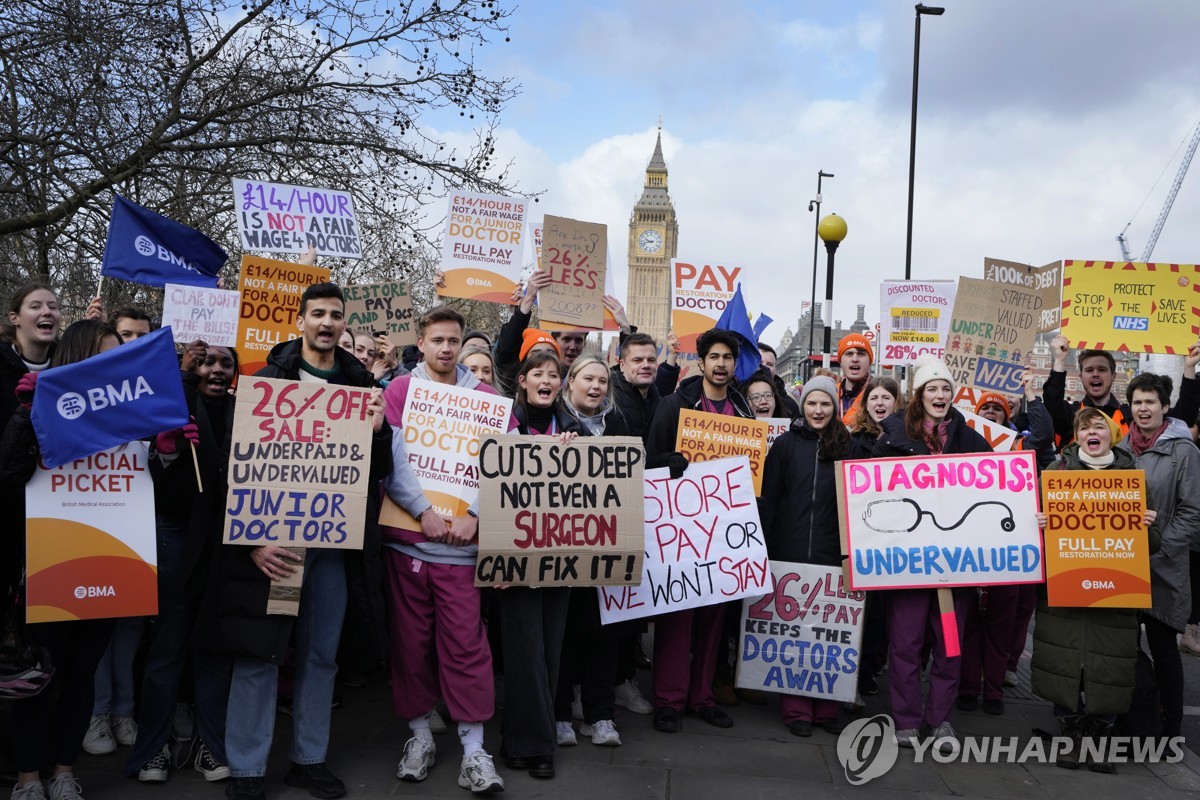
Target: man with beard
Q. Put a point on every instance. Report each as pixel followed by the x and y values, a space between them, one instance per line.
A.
pixel 1097 370
pixel 685 642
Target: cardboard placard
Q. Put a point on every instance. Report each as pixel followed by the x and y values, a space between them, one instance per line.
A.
pixel 933 522
pixel 576 255
pixel 383 307
pixel 483 247
pixel 610 322
pixel 555 515
pixel 443 427
pixel 282 218
pixel 1097 550
pixel 805 637
pixel 705 437
pixel 991 333
pixel 1139 307
pixel 90 544
pixel 1046 280
pixel 298 465
pixel 195 312
pixel 284 595
pixel 270 292
pixel 914 320
pixel 703 543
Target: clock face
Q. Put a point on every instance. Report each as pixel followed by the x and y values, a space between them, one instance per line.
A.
pixel 650 241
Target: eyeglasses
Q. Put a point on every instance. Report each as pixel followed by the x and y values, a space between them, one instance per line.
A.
pixel 754 398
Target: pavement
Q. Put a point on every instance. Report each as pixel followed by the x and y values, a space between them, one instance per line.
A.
pixel 757 759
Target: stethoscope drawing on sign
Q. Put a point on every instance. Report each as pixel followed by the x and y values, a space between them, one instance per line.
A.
pixel 1007 524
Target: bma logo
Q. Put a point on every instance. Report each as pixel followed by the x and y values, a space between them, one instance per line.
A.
pixel 479 282
pixel 1098 584
pixel 82 592
pixel 144 246
pixel 867 749
pixel 71 405
pixel 147 247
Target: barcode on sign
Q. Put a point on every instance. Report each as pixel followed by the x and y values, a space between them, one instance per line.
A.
pixel 914 323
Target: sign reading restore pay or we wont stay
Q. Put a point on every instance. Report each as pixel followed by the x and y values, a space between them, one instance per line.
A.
pixel 703 542
pixel 560 515
pixel 298 466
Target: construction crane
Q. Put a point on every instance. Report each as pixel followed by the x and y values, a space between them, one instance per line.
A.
pixel 1166 209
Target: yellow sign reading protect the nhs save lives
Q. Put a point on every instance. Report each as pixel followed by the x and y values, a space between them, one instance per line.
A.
pixel 1135 307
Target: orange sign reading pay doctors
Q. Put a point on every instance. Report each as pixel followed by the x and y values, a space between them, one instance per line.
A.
pixel 1097 550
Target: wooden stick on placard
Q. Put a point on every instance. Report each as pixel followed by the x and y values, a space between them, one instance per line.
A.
pixel 196 464
pixel 949 623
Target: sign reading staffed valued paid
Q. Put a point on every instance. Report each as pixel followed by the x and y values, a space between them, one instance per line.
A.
pixel 703 543
pixel 298 465
pixel 704 436
pixel 991 333
pixel 1139 307
pixel 90 545
pixel 805 637
pixel 281 218
pixel 196 312
pixel 270 293
pixel 941 521
pixel 1097 550
pixel 560 515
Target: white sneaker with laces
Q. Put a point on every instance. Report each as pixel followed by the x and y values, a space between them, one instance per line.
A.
pixel 576 703
pixel 906 737
pixel 566 734
pixel 436 723
pixel 418 757
pixel 155 770
pixel 603 733
pixel 629 697
pixel 478 774
pixel 29 791
pixel 124 730
pixel 99 739
pixel 65 787
pixel 944 738
pixel 1010 678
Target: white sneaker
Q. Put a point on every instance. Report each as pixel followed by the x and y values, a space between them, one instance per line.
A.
pixel 99 739
pixel 629 696
pixel 566 734
pixel 576 703
pixel 436 723
pixel 124 730
pixel 1010 678
pixel 906 737
pixel 944 738
pixel 478 774
pixel 418 757
pixel 603 733
pixel 155 770
pixel 30 791
pixel 65 787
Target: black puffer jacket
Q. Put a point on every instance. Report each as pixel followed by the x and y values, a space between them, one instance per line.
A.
pixel 664 428
pixel 638 411
pixel 960 438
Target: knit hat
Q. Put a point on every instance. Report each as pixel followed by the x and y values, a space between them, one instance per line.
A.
pixel 533 337
pixel 998 399
pixel 1114 427
pixel 930 368
pixel 821 383
pixel 857 341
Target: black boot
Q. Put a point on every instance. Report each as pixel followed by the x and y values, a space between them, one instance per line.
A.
pixel 1071 727
pixel 1099 759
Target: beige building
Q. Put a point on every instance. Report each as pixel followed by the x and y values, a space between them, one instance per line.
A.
pixel 653 243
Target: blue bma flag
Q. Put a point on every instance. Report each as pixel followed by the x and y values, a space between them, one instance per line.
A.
pixel 130 392
pixel 736 320
pixel 148 248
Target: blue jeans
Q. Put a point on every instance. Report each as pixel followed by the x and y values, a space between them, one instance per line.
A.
pixel 168 656
pixel 252 696
pixel 114 673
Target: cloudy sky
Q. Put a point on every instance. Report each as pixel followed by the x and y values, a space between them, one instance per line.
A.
pixel 1044 127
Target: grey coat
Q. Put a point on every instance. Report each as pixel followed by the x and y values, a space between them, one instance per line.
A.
pixel 1172 468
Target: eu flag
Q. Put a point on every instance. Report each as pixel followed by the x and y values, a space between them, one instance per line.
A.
pixel 148 248
pixel 735 320
pixel 130 392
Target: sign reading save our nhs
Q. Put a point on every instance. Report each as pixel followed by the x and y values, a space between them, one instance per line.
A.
pixel 126 393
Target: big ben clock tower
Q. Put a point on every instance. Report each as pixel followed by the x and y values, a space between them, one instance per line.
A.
pixel 653 242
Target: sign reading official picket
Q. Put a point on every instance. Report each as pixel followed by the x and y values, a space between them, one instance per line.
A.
pixel 299 464
pixel 560 515
pixel 281 218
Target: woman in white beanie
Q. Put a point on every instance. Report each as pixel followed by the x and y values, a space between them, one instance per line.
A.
pixel 800 523
pixel 929 426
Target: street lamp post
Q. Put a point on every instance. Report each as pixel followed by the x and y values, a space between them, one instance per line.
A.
pixel 812 303
pixel 933 11
pixel 832 231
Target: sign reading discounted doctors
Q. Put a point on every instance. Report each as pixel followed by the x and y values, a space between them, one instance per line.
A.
pixel 270 293
pixel 560 515
pixel 483 246
pixel 298 465
pixel 805 637
pixel 281 218
pixel 90 545
pixel 1097 550
pixel 914 320
pixel 703 436
pixel 194 312
pixel 933 522
pixel 443 427
pixel 703 543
